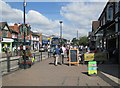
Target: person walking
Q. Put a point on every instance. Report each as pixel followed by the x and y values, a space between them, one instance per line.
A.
pixel 63 50
pixel 67 51
pixel 57 54
pixel 49 53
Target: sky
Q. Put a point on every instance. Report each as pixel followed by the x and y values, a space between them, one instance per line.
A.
pixel 45 16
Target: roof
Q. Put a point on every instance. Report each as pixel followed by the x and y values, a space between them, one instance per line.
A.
pixel 35 34
pixel 2 25
pixel 13 31
pixel 109 2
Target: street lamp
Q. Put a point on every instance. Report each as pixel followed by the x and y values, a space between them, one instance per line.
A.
pixel 24 28
pixel 60 32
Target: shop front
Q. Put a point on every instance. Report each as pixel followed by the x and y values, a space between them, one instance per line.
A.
pixel 112 46
pixel 6 42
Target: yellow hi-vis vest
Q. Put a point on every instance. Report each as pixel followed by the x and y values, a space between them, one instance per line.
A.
pixel 33 59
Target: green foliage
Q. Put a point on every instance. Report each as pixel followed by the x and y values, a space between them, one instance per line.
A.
pixel 64 41
pixel 75 41
pixel 25 28
pixel 81 41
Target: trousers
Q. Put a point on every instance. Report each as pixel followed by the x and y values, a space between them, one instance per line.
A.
pixel 56 59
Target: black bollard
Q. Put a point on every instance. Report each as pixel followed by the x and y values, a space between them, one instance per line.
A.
pixel 39 58
pixel 41 55
pixel 8 62
pixel 48 54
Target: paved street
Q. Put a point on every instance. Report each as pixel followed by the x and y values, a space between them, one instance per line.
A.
pixel 35 33
pixel 46 74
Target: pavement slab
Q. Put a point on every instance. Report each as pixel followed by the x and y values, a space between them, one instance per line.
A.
pixel 44 73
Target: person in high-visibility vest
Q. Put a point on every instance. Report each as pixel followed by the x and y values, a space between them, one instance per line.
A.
pixel 33 60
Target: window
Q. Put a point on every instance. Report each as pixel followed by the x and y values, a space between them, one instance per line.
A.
pixel 104 20
pixel 116 7
pixel 119 6
pixel 110 13
pixel 4 33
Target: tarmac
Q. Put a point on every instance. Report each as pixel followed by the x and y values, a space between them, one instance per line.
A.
pixel 45 73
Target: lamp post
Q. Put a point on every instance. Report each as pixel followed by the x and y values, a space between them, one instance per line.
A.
pixel 60 32
pixel 24 28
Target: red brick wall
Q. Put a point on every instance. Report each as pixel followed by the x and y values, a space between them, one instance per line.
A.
pixel 15 28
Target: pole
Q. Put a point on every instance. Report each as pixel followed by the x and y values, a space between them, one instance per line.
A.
pixel 24 37
pixel 24 9
pixel 61 32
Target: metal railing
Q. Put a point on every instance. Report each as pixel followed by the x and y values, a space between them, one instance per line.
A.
pixel 11 64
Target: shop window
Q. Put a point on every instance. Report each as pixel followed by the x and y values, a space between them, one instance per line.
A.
pixel 119 6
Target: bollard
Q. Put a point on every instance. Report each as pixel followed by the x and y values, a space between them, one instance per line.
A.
pixel 41 55
pixel 39 58
pixel 48 54
pixel 8 62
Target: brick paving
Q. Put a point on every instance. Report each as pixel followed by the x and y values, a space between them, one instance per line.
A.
pixel 46 74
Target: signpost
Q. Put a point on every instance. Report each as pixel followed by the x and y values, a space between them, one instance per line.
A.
pixel 88 56
pixel 92 68
pixel 92 65
pixel 73 56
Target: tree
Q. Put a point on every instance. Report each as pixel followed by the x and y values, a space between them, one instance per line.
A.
pixel 75 41
pixel 83 40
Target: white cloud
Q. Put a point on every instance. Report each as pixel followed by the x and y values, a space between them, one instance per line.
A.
pixel 34 15
pixel 76 16
pixel 10 14
pixel 58 0
pixel 81 14
pixel 37 21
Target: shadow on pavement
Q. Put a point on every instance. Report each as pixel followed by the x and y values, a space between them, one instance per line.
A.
pixel 86 73
pixel 111 69
pixel 51 63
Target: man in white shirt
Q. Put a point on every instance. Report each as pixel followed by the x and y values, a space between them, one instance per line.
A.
pixel 63 53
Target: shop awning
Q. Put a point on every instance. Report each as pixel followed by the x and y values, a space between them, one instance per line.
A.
pixel 7 40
